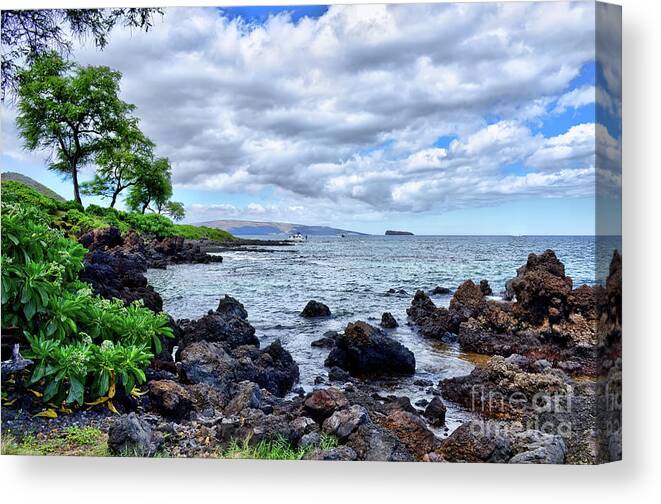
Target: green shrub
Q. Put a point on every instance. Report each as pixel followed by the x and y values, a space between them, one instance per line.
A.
pixel 82 345
pixel 16 192
pixel 110 216
pixel 191 232
pixel 80 223
pixel 154 224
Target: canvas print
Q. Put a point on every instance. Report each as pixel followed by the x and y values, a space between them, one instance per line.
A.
pixel 317 233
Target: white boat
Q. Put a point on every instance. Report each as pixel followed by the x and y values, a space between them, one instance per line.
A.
pixel 298 237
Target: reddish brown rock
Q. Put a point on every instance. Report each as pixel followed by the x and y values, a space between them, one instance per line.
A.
pixel 321 404
pixel 170 399
pixel 411 430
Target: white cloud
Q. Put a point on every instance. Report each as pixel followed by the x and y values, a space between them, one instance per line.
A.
pixel 573 149
pixel 301 108
pixel 576 98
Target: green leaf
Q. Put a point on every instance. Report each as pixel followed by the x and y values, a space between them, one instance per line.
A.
pixel 51 390
pixel 29 309
pixel 76 391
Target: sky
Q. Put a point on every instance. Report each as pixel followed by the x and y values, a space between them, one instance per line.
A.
pixel 432 118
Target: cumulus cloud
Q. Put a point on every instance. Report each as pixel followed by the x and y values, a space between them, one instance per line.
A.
pixel 576 98
pixel 342 113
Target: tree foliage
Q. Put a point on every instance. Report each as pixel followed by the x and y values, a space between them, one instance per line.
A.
pixel 71 111
pixel 123 161
pixel 174 209
pixel 153 189
pixel 29 34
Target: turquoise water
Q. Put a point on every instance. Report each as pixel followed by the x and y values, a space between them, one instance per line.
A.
pixel 352 276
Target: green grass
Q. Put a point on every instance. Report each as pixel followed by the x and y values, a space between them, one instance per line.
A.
pixel 278 449
pixel 92 442
pixel 71 441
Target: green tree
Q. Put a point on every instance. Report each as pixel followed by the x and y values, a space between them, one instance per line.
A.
pixel 173 209
pixel 70 110
pixel 153 188
pixel 121 163
pixel 29 34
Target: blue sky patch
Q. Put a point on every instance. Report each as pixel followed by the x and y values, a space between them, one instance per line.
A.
pixel 259 14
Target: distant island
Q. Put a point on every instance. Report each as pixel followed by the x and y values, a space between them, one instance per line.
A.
pixel 398 233
pixel 254 228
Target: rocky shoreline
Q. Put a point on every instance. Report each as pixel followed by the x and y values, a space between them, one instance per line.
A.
pixel 545 396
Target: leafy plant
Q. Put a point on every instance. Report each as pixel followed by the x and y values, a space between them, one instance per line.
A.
pixel 81 222
pixel 83 346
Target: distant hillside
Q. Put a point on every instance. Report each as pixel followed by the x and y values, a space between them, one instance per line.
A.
pixel 241 227
pixel 30 182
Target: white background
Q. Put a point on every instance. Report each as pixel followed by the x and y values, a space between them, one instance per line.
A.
pixel 637 478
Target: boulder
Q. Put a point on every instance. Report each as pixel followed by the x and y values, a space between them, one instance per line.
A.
pixel 116 273
pixel 129 435
pixel 400 292
pixel 411 431
pixel 468 301
pixel 276 370
pixel 502 390
pixel 485 288
pixel 271 368
pixel 364 350
pixel 440 291
pixel 248 395
pixel 327 341
pixel 254 426
pixel 435 412
pixel 421 307
pixel 230 308
pixel 343 422
pixel 304 425
pixel 476 442
pixel 341 453
pixel 475 337
pixel 322 403
pixel 338 375
pixel 388 321
pixel 373 443
pixel 170 399
pixel 312 439
pixel 393 403
pixel 177 250
pixel 541 288
pixel 230 331
pixel 432 321
pixel 536 447
pixel 315 309
pixel 101 239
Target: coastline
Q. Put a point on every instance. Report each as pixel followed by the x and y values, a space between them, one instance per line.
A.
pixel 188 394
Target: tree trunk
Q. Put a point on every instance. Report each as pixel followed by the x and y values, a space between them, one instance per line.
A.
pixel 76 190
pixel 114 199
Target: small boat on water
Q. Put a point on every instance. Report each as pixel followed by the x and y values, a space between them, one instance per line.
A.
pixel 297 237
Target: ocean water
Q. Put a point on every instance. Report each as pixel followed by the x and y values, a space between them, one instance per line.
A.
pixel 352 276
